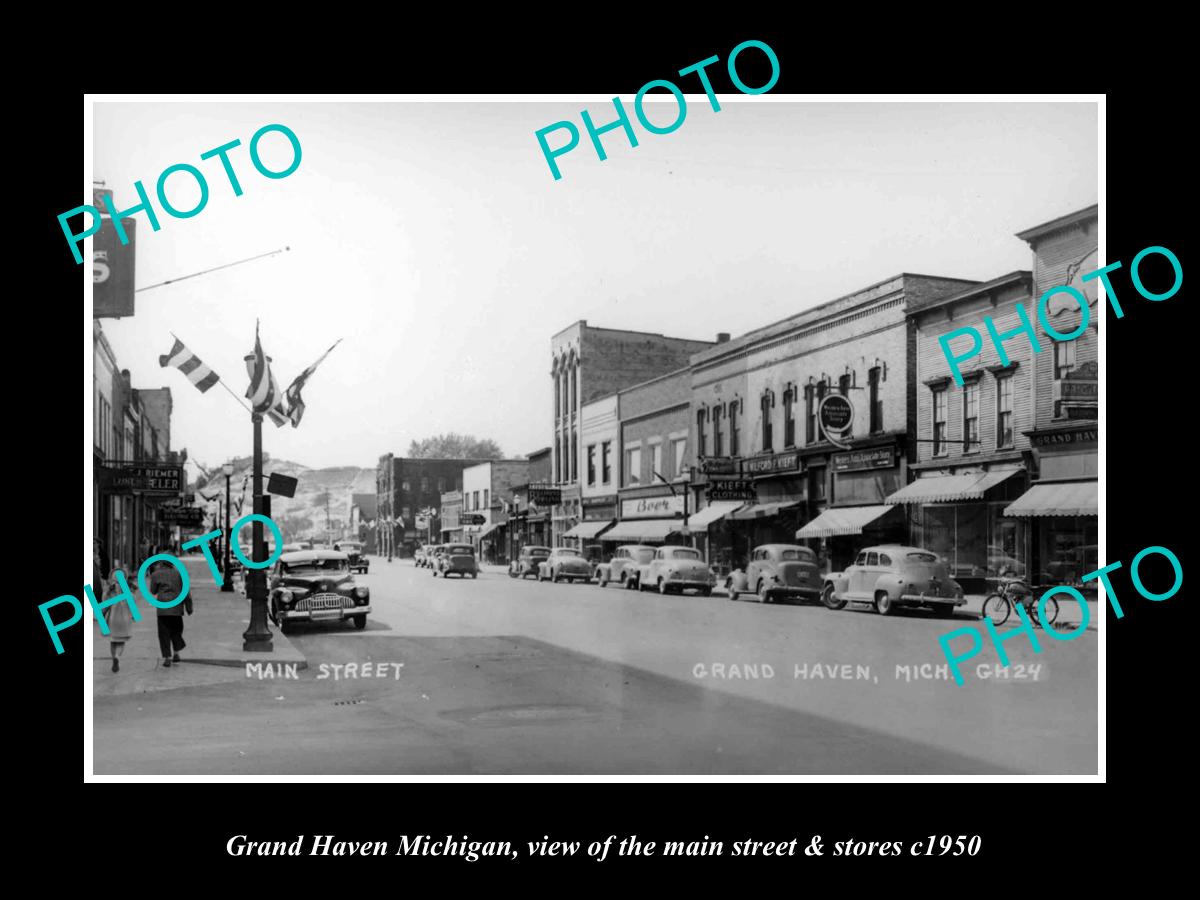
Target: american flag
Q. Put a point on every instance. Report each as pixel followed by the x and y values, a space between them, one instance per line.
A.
pixel 295 402
pixel 264 393
pixel 190 365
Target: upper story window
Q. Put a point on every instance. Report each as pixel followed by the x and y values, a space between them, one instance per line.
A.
pixel 1064 357
pixel 633 465
pixel 1004 412
pixel 606 461
pixel 557 393
pixel 970 416
pixel 874 404
pixel 789 416
pixel 679 453
pixel 701 440
pixel 591 464
pixel 767 435
pixel 733 427
pixel 810 414
pixel 574 394
pixel 940 398
pixel 718 438
pixel 844 383
pixel 656 460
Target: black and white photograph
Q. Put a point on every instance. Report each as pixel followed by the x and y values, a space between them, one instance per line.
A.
pixel 678 434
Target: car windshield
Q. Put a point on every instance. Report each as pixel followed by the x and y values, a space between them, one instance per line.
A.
pixel 563 551
pixel 682 553
pixel 797 554
pixel 313 566
pixel 541 551
pixel 461 549
pixel 644 556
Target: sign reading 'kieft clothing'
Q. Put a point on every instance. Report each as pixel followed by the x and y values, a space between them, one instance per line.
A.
pixel 148 479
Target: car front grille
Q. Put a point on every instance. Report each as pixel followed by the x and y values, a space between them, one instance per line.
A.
pixel 323 601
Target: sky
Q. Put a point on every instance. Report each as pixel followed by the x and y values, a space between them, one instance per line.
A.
pixel 434 241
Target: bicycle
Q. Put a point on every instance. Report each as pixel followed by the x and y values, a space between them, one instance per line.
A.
pixel 999 604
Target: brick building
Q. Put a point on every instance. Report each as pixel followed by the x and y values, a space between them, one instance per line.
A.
pixel 589 363
pixel 486 488
pixel 528 523
pixel 757 432
pixel 404 486
pixel 971 452
pixel 1061 505
pixel 655 461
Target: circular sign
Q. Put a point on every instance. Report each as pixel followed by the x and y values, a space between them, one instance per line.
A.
pixel 836 414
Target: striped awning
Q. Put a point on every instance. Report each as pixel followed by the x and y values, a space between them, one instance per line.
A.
pixel 714 512
pixel 588 529
pixel 946 488
pixel 489 529
pixel 846 520
pixel 647 530
pixel 1058 498
pixel 762 510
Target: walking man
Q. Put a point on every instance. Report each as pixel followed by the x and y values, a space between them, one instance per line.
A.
pixel 166 585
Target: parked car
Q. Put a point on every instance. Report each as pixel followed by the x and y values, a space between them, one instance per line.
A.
pixel 457 559
pixel 526 563
pixel 354 550
pixel 622 568
pixel 316 586
pixel 674 570
pixel 892 576
pixel 564 564
pixel 594 554
pixel 776 571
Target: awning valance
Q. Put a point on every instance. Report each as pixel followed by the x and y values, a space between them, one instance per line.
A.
pixel 588 529
pixel 762 510
pixel 643 530
pixel 947 488
pixel 489 529
pixel 846 520
pixel 1059 498
pixel 714 512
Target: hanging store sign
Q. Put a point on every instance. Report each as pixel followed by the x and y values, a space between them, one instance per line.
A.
pixel 186 516
pixel 652 507
pixel 766 465
pixel 719 465
pixel 875 458
pixel 544 494
pixel 123 478
pixel 730 490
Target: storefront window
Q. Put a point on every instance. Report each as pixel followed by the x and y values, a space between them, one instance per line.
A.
pixel 974 538
pixel 1066 550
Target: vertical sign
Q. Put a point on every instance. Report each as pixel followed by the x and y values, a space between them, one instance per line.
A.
pixel 112 265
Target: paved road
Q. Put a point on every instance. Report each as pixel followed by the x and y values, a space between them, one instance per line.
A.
pixel 502 676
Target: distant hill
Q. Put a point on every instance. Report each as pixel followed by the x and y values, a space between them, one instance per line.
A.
pixel 302 516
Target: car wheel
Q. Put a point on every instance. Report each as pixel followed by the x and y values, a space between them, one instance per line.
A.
pixel 474 574
pixel 285 627
pixel 830 599
pixel 764 595
pixel 662 587
pixel 883 603
pixel 512 574
pixel 603 582
pixel 706 592
pixel 733 592
pixel 360 622
pixel 554 577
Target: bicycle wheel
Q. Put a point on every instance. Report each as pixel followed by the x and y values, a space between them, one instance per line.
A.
pixel 1050 611
pixel 997 608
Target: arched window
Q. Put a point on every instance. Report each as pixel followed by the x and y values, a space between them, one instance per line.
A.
pixel 766 404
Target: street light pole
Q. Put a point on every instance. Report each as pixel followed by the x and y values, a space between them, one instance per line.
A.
pixel 257 636
pixel 227 581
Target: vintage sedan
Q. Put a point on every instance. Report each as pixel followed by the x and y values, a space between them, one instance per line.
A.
pixel 316 586
pixel 776 571
pixel 674 570
pixel 564 564
pixel 526 564
pixel 623 567
pixel 354 550
pixel 892 576
pixel 456 559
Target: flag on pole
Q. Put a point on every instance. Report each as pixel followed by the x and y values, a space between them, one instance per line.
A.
pixel 295 402
pixel 190 365
pixel 263 392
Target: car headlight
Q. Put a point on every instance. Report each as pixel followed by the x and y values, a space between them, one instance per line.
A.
pixel 285 598
pixel 361 593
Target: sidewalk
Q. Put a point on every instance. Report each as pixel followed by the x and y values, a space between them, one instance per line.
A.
pixel 214 643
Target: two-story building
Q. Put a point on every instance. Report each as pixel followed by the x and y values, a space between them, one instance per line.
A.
pixel 485 488
pixel 529 523
pixel 972 449
pixel 599 476
pixel 1061 507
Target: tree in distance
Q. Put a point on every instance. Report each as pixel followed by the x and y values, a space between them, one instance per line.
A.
pixel 454 446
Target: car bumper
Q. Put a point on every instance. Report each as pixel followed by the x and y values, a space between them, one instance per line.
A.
pixel 322 615
pixel 791 590
pixel 932 598
pixel 697 583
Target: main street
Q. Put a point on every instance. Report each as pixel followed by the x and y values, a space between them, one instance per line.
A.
pixel 497 675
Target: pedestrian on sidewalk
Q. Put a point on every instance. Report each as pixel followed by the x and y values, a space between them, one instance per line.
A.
pixel 166 585
pixel 117 617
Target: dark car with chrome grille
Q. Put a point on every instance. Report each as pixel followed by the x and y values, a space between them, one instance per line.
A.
pixel 316 586
pixel 358 558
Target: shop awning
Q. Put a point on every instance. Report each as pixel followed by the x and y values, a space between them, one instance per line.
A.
pixel 1058 498
pixel 945 488
pixel 644 530
pixel 762 510
pixel 714 512
pixel 489 529
pixel 846 520
pixel 588 529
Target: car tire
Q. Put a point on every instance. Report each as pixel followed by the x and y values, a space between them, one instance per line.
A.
pixel 603 582
pixel 360 622
pixel 830 598
pixel 663 588
pixel 285 627
pixel 764 595
pixel 474 574
pixel 883 603
pixel 706 592
pixel 733 592
pixel 512 574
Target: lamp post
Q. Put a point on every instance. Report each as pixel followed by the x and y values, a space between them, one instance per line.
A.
pixel 227 581
pixel 686 471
